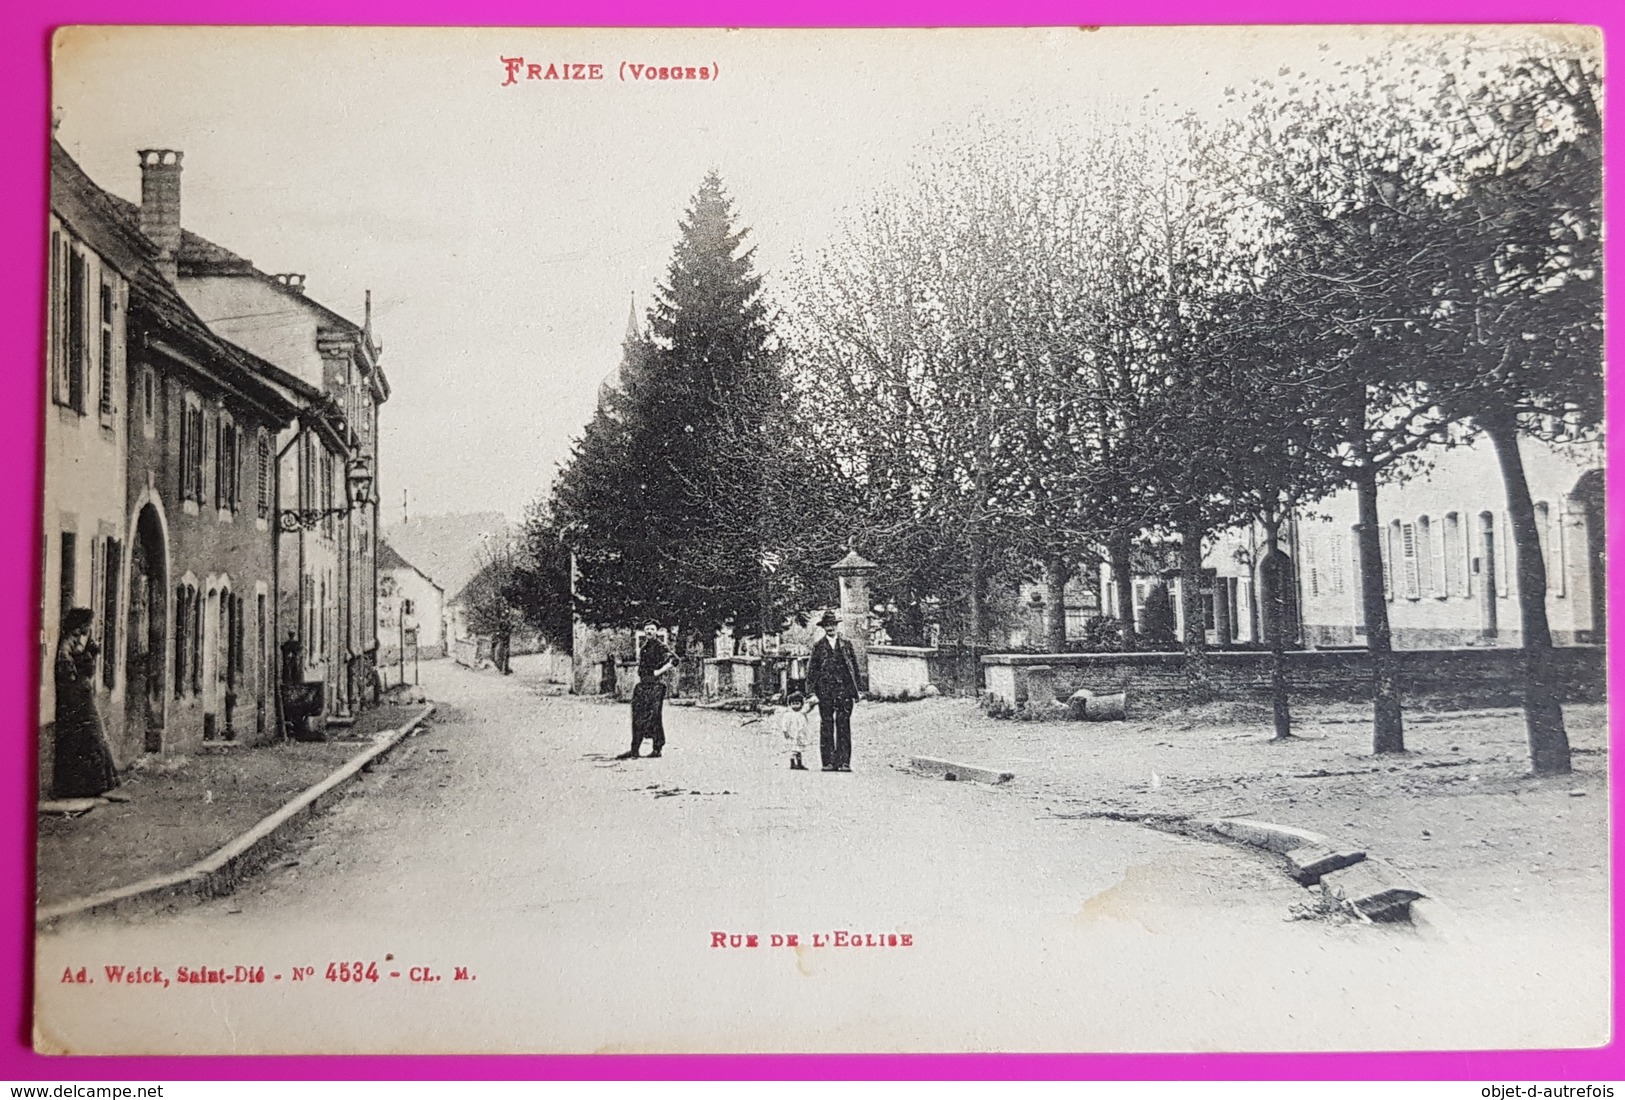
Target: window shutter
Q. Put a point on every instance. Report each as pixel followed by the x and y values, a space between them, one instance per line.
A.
pixel 106 332
pixel 1311 563
pixel 185 455
pixel 1503 541
pixel 1413 581
pixel 262 487
pixel 1386 546
pixel 1559 559
pixel 55 344
pixel 113 561
pixel 218 430
pixel 1424 556
pixel 77 322
pixel 1438 566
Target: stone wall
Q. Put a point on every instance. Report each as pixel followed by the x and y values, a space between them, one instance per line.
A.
pixel 1466 677
pixel 896 670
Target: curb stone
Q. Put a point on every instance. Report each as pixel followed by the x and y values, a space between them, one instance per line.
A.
pixel 1383 893
pixel 219 873
pixel 951 770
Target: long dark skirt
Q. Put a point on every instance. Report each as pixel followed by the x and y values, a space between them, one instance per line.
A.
pixel 83 767
pixel 648 718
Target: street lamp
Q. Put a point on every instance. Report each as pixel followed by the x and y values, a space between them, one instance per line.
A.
pixel 358 484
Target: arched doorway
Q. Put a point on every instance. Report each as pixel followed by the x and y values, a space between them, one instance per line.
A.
pixel 148 633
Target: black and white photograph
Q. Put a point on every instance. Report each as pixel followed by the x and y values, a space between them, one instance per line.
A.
pixel 634 541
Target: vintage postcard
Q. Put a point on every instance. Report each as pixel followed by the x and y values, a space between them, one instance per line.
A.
pixel 1078 539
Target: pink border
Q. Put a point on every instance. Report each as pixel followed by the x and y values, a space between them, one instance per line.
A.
pixel 24 38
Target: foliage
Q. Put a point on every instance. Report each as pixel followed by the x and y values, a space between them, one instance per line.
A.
pixel 1158 620
pixel 652 533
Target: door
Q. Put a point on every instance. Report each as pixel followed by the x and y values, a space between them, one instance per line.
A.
pixel 147 634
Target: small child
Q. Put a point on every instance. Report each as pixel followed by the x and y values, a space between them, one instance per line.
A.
pixel 791 721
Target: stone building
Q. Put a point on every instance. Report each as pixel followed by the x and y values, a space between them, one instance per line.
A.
pixel 1449 571
pixel 411 610
pixel 93 257
pixel 327 461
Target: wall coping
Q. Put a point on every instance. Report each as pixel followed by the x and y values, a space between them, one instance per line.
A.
pixel 902 651
pixel 1238 655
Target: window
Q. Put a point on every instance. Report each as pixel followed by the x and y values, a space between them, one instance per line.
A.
pixel 191 451
pixel 148 402
pixel 227 465
pixel 407 607
pixel 1335 561
pixel 106 402
pixel 1427 568
pixel 262 491
pixel 185 609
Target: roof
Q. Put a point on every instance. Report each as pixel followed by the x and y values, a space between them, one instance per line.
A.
pixel 447 549
pixel 112 226
pixel 199 256
pixel 96 215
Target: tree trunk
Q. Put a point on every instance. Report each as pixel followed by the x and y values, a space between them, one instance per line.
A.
pixel 1197 675
pixel 1123 580
pixel 1057 571
pixel 973 607
pixel 1388 723
pixel 1542 714
pixel 1271 591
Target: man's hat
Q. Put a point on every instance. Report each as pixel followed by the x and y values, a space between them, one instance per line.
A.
pixel 651 622
pixel 829 620
pixel 76 619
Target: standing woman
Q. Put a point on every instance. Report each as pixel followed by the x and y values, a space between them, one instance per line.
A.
pixel 84 764
pixel 649 697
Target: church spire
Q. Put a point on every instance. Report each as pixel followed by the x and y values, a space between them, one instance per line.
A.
pixel 632 333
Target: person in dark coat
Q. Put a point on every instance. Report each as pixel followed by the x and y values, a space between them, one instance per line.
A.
pixel 83 767
pixel 649 696
pixel 832 675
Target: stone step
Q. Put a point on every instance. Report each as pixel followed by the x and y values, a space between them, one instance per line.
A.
pixel 1312 861
pixel 1375 889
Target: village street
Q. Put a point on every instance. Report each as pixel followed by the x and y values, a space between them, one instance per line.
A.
pixel 582 895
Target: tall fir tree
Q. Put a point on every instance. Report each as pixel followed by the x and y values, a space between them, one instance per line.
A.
pixel 640 501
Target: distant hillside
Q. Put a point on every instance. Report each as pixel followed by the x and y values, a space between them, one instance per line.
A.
pixel 448 548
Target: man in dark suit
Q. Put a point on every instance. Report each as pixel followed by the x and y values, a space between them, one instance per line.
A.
pixel 832 675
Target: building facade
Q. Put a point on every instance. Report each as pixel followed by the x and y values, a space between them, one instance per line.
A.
pixel 411 610
pixel 326 485
pixel 92 259
pixel 1448 562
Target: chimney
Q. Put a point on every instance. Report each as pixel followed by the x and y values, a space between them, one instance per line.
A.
pixel 161 205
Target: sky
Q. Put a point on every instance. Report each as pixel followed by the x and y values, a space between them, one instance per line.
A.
pixel 505 230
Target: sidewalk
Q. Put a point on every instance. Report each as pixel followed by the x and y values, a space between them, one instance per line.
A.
pixel 1459 812
pixel 182 808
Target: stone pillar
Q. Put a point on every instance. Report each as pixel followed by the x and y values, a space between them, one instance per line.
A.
pixel 853 574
